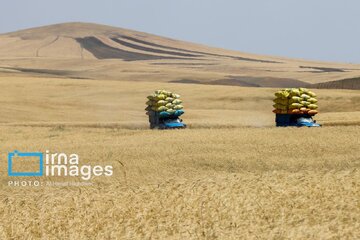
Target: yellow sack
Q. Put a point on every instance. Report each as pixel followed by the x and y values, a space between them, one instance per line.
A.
pixel 150 103
pixel 169 99
pixel 176 96
pixel 303 90
pixel 305 97
pixel 282 94
pixel 312 100
pixel 281 101
pixel 151 97
pixel 296 99
pixel 162 108
pixel 279 106
pixel 311 94
pixel 167 93
pixel 169 105
pixel 177 101
pixel 178 107
pixel 160 97
pixel 294 92
pixel 161 103
pixel 305 103
pixel 295 105
pixel 164 92
pixel 313 106
pixel 170 110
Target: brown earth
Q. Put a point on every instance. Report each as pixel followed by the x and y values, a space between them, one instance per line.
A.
pixel 92 51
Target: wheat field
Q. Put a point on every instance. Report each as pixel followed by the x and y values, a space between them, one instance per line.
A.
pixel 230 175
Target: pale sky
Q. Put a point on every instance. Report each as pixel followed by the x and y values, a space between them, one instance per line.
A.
pixel 325 30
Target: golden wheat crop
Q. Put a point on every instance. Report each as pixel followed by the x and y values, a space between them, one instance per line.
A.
pixel 231 175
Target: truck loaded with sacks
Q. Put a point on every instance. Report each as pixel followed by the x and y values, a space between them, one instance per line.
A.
pixel 164 109
pixel 295 107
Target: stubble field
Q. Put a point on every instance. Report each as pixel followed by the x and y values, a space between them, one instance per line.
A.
pixel 230 175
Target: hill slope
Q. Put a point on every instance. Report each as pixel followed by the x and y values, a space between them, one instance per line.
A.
pixel 92 51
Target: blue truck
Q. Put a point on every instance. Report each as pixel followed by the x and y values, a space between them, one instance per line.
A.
pixel 295 120
pixel 165 120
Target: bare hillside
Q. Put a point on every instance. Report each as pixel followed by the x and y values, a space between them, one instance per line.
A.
pixel 92 51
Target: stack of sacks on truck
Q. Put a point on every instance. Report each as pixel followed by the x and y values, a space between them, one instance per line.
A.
pixel 165 103
pixel 295 101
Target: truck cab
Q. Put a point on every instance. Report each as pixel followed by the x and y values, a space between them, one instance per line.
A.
pixel 165 120
pixel 295 120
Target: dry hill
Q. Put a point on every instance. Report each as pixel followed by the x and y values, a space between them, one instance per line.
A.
pixel 92 51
